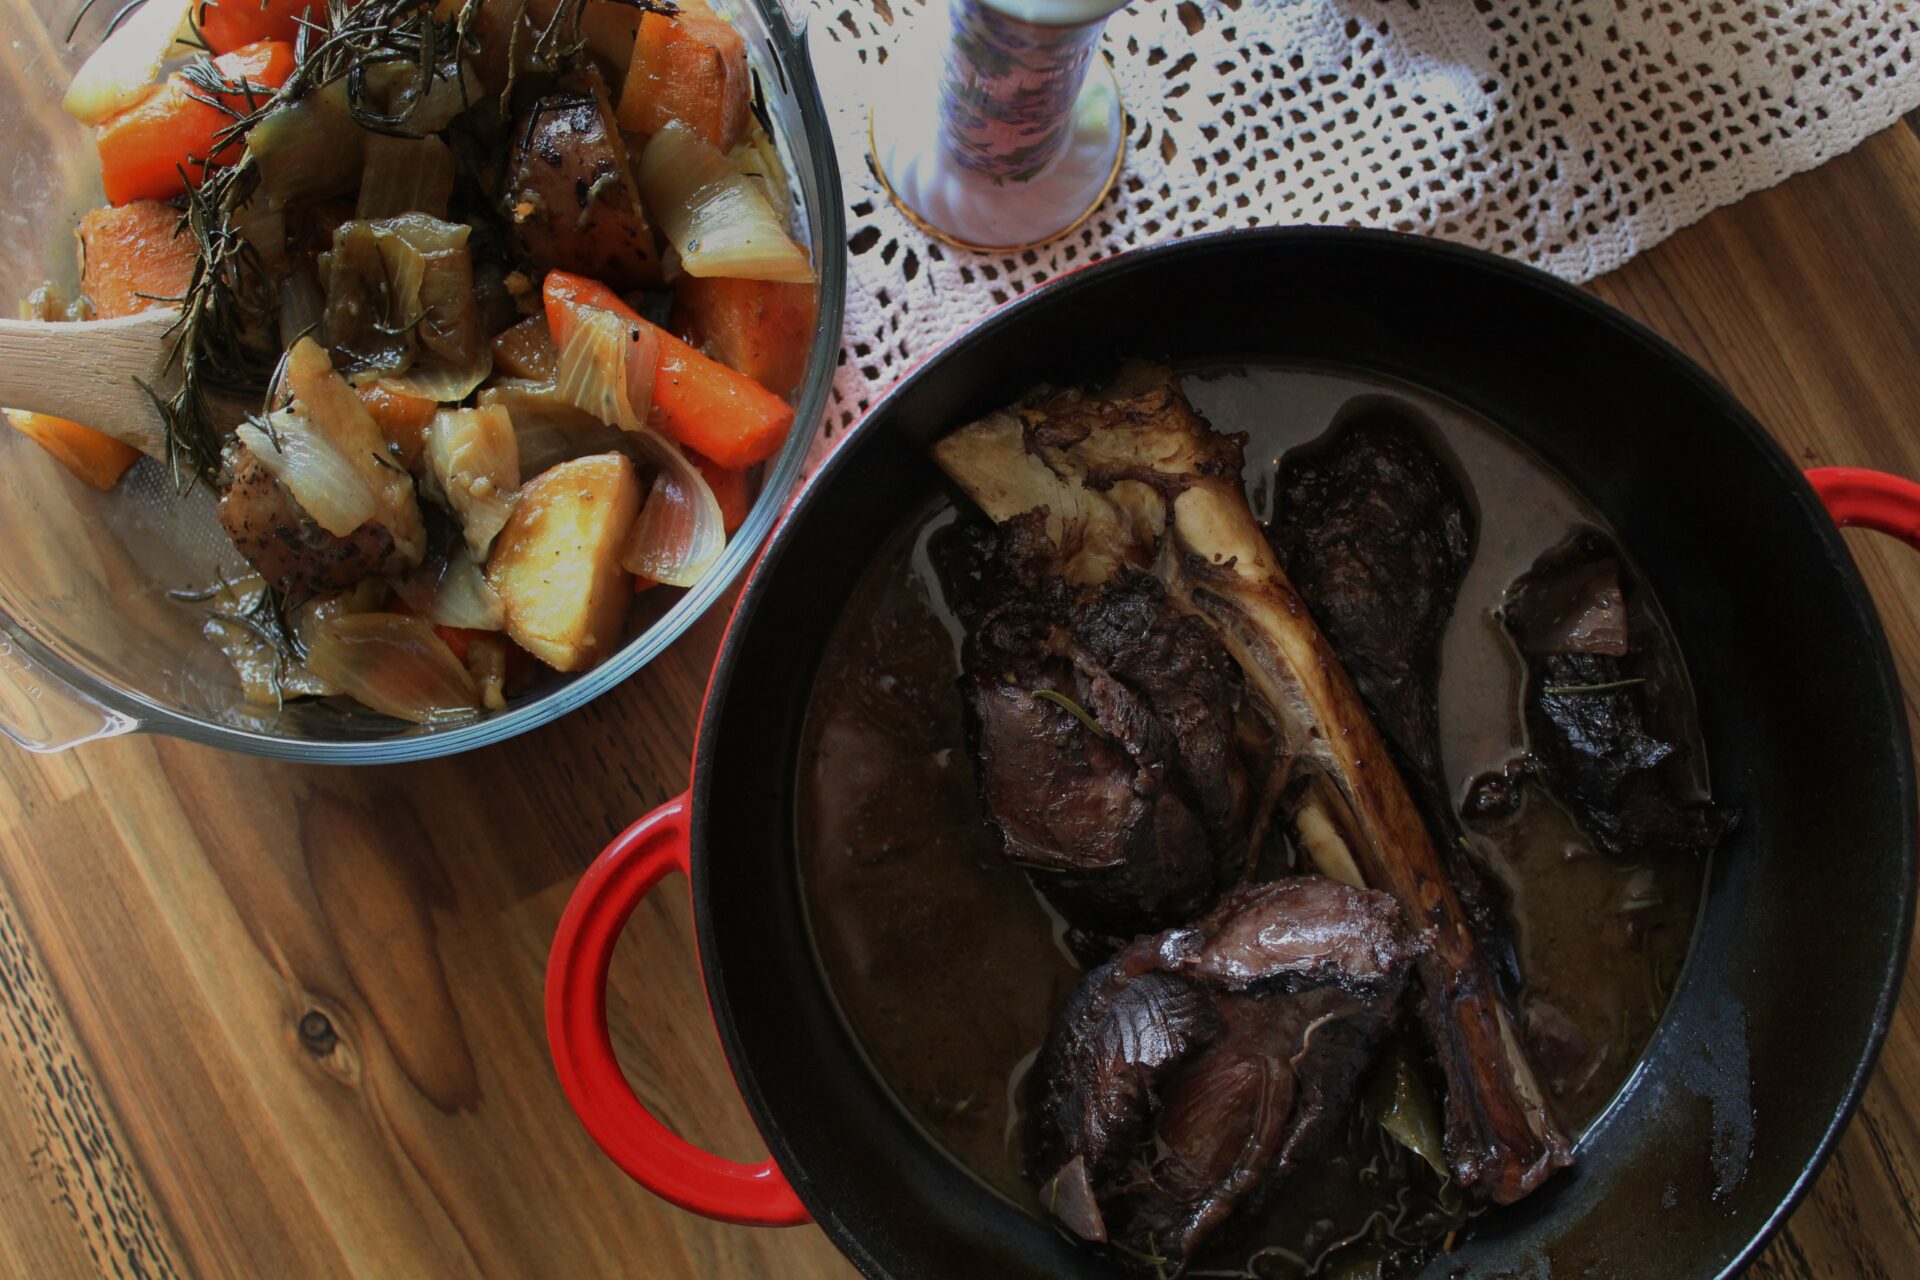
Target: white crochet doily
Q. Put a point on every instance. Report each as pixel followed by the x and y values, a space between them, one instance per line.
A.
pixel 1568 133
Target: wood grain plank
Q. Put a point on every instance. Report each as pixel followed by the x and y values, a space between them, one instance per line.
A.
pixel 340 993
pixel 71 1202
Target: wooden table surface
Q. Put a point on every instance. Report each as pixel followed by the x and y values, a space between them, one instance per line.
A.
pixel 264 1020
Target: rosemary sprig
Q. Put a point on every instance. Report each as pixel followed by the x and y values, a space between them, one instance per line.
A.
pixel 1073 709
pixel 224 339
pixel 1561 690
pixel 267 617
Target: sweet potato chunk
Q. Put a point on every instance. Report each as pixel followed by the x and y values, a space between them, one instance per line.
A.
pixel 556 564
pixel 692 69
pixel 570 191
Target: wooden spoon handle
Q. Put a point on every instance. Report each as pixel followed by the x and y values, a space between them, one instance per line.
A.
pixel 90 372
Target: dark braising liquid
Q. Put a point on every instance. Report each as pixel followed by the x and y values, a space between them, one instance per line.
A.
pixel 949 967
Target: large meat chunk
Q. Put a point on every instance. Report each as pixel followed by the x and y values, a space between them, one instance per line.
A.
pixel 1376 534
pixel 1187 1076
pixel 1104 726
pixel 1131 478
pixel 292 553
pixel 570 191
pixel 1597 668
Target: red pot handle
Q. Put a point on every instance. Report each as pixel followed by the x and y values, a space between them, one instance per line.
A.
pixel 1870 499
pixel 653 1155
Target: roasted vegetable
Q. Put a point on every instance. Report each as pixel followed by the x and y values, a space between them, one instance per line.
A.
pixel 395 664
pixel 402 418
pixel 691 69
pixel 120 72
pixel 95 457
pixel 322 479
pixel 487 657
pixel 571 195
pixel 292 552
pixel 733 490
pixel 714 411
pixel 308 150
pixel 340 418
pixel 556 564
pixel 260 659
pixel 718 219
pixel 526 350
pixel 582 314
pixel 154 149
pixel 697 401
pixel 361 326
pixel 134 257
pixel 548 430
pixel 761 328
pixel 417 100
pixel 432 272
pixel 227 25
pixel 453 594
pixel 476 465
pixel 608 358
pixel 405 175
pixel 401 306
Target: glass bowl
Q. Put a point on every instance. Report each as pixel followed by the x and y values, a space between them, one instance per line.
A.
pixel 92 645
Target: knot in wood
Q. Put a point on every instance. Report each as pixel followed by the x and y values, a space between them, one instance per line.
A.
pixel 317 1035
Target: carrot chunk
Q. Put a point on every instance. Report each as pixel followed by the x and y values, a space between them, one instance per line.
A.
pixel 733 490
pixel 697 401
pixel 691 69
pixel 98 459
pixel 155 148
pixel 131 259
pixel 714 411
pixel 134 257
pixel 562 289
pixel 402 418
pixel 227 25
pixel 762 328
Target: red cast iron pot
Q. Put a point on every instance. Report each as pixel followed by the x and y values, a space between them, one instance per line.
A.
pixel 1796 962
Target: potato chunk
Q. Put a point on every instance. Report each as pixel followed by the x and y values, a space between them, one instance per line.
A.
pixel 556 564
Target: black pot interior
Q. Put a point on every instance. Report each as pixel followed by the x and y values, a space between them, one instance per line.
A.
pixel 1797 958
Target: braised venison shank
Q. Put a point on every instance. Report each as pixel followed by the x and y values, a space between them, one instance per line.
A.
pixel 1187 1076
pixel 1103 722
pixel 1597 675
pixel 1131 479
pixel 1376 533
